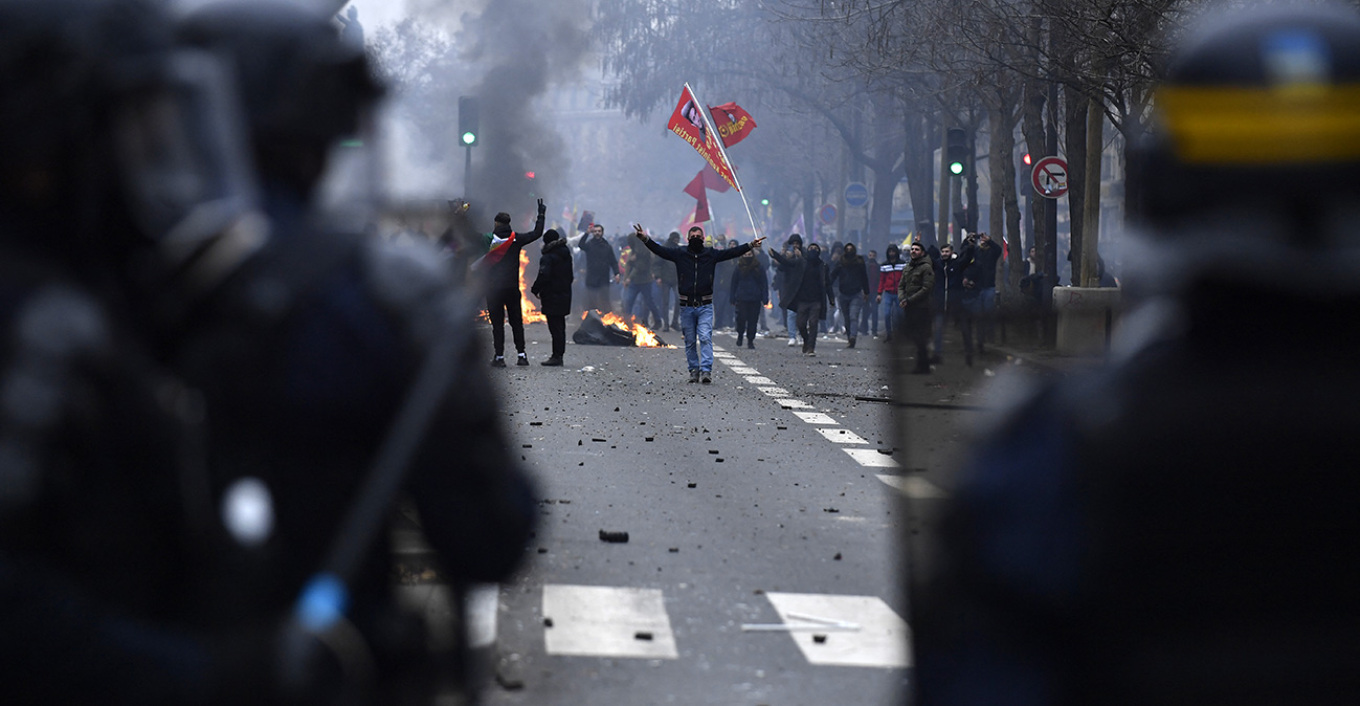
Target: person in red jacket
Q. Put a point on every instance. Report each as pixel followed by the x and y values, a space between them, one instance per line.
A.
pixel 889 274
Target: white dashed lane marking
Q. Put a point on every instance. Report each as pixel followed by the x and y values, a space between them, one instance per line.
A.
pixel 878 637
pixel 604 621
pixel 842 436
pixel 872 458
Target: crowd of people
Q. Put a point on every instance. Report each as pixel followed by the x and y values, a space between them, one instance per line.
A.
pixel 794 291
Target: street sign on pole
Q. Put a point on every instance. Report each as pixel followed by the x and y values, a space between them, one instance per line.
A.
pixel 1049 177
pixel 856 194
pixel 827 214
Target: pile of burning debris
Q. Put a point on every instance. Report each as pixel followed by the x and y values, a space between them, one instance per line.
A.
pixel 613 330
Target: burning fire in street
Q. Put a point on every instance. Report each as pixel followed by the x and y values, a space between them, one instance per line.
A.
pixel 527 310
pixel 529 313
pixel 643 337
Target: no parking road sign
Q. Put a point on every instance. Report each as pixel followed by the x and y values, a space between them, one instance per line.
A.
pixel 1050 177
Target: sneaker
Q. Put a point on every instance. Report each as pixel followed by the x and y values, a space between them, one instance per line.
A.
pixel 751 345
pixel 694 376
pixel 522 359
pixel 706 377
pixel 793 342
pixel 554 362
pixel 739 339
pixel 498 361
pixel 811 354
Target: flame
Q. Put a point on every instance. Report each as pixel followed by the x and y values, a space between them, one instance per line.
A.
pixel 769 305
pixel 643 337
pixel 527 310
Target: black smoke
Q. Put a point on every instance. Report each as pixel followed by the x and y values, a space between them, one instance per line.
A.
pixel 518 50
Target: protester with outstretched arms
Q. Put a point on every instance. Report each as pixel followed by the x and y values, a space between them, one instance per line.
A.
pixel 694 265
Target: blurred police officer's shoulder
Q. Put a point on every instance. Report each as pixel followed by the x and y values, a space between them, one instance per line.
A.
pixel 1124 523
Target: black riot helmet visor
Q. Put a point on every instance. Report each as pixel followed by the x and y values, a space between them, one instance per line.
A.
pixel 182 155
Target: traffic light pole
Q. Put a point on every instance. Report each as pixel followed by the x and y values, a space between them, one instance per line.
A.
pixel 467 174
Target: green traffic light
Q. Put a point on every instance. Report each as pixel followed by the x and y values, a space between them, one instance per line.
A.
pixel 469 138
pixel 956 168
pixel 764 202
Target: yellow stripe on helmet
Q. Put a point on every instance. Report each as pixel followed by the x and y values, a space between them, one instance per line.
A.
pixel 1295 124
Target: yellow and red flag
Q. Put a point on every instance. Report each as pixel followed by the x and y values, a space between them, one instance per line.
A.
pixel 691 123
pixel 734 123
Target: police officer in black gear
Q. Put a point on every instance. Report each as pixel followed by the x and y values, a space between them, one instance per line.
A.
pixel 1122 537
pixel 117 175
pixel 212 529
pixel 327 349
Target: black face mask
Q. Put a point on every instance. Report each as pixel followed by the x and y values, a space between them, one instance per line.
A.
pixel 814 254
pixel 696 244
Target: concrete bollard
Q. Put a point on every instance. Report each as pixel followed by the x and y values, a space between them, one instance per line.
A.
pixel 1086 316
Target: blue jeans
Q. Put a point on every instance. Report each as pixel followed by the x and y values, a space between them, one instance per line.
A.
pixel 631 294
pixel 867 314
pixel 851 307
pixel 790 323
pixel 696 322
pixel 987 307
pixel 890 311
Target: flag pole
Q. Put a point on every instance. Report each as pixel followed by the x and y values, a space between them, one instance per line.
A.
pixel 708 120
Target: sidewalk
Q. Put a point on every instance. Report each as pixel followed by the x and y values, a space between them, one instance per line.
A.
pixel 1049 359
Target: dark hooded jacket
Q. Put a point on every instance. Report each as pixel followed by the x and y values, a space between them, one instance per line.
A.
pixel 850 276
pixel 749 283
pixel 601 263
pixel 555 275
pixel 694 270
pixel 504 273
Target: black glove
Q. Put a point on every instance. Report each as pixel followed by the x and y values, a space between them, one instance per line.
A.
pixel 541 208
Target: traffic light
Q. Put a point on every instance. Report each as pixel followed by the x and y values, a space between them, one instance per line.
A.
pixel 469 114
pixel 956 151
pixel 530 175
pixel 1027 160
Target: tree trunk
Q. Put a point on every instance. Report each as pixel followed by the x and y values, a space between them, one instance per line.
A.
pixel 1032 127
pixel 1075 119
pixel 946 202
pixel 1005 221
pixel 1090 241
pixel 971 212
pixel 996 217
pixel 919 161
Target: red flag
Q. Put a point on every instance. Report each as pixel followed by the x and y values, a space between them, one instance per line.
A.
pixel 688 122
pixel 713 181
pixel 690 221
pixel 734 123
pixel 696 189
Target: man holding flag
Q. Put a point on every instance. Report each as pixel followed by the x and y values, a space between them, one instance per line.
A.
pixel 694 267
pixel 501 265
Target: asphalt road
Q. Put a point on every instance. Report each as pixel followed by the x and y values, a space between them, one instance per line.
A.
pixel 780 496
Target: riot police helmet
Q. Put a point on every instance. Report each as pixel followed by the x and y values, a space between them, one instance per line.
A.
pixel 303 88
pixel 112 141
pixel 1253 158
